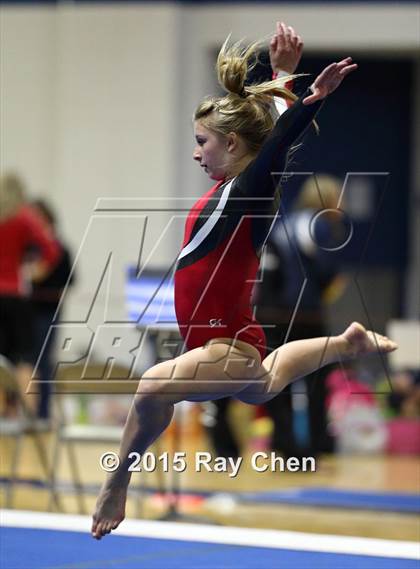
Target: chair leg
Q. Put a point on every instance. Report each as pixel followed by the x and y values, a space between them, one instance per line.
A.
pixel 54 465
pixel 74 468
pixel 13 471
pixel 42 454
pixel 40 448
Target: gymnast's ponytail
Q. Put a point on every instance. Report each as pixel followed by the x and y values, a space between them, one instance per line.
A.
pixel 233 66
pixel 245 109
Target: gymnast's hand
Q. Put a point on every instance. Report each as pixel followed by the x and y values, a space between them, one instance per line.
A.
pixel 329 79
pixel 285 49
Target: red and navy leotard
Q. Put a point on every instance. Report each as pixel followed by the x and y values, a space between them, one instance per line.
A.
pixel 224 235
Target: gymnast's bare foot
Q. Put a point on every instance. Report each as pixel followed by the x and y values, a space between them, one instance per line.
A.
pixel 360 342
pixel 110 511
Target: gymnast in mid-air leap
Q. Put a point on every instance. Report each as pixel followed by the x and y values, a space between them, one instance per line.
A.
pixel 239 143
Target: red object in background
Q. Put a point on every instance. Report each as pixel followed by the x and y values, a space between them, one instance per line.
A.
pixel 17 233
pixel 403 436
pixel 344 390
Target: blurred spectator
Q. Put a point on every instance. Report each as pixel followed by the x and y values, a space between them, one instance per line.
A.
pixel 404 398
pixel 402 411
pixel 20 228
pixel 301 271
pixel 46 295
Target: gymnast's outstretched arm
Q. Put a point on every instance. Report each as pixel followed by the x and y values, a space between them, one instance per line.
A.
pixel 256 179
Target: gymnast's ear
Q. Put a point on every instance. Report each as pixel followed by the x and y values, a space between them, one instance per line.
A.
pixel 232 140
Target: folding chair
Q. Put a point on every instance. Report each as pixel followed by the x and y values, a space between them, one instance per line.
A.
pixel 26 424
pixel 70 434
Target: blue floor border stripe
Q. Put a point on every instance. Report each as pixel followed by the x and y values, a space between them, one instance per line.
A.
pixel 333 498
pixel 406 503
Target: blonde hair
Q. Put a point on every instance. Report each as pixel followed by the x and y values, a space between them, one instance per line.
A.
pixel 12 195
pixel 245 110
pixel 321 191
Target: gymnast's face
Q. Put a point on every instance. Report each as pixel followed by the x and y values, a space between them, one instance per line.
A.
pixel 212 152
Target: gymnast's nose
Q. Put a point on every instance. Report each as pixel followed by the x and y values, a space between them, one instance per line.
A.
pixel 197 154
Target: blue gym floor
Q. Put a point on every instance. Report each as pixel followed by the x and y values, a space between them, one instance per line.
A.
pixel 30 548
pixel 22 548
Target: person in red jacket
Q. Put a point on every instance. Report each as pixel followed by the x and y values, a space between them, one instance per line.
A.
pixel 239 144
pixel 20 228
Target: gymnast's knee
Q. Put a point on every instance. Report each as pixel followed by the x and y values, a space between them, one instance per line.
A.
pixel 257 392
pixel 254 398
pixel 155 388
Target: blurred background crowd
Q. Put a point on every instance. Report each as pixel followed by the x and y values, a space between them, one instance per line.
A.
pixel 96 128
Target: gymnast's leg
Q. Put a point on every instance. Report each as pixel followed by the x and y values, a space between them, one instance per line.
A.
pixel 300 358
pixel 215 371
